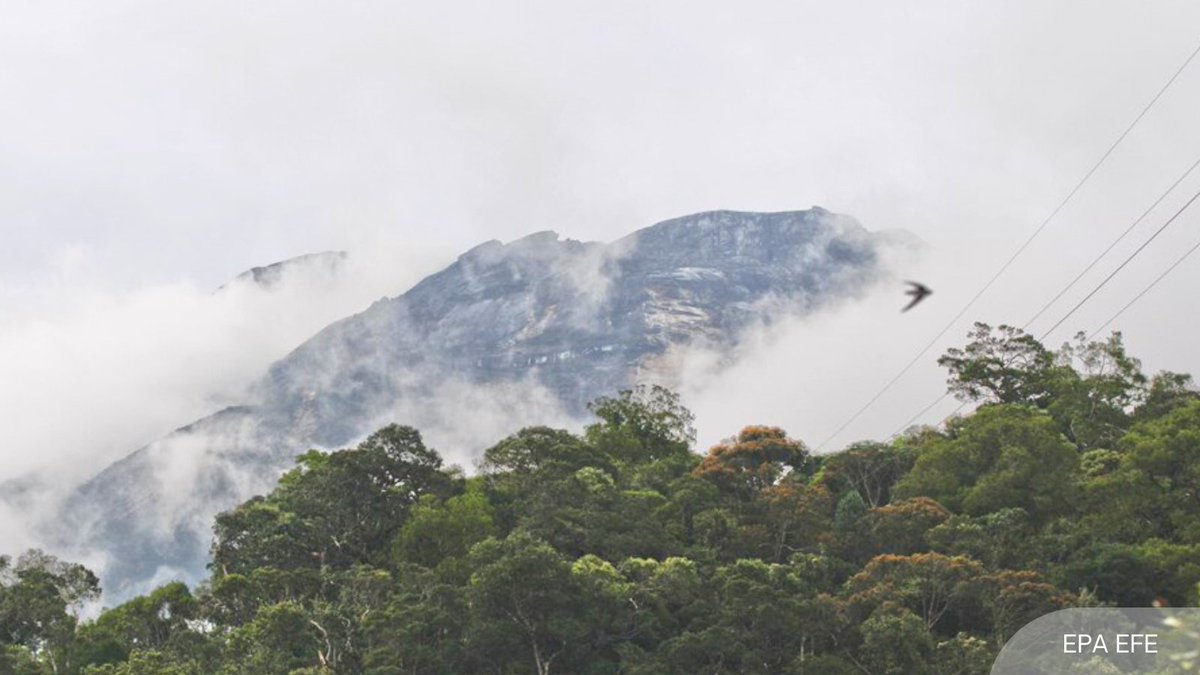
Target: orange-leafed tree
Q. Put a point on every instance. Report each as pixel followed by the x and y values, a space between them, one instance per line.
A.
pixel 1014 598
pixel 798 516
pixel 927 584
pixel 900 527
pixel 752 461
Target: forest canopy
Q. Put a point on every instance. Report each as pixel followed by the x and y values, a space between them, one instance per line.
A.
pixel 1075 482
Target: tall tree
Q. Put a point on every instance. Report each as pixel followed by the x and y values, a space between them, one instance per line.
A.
pixel 1003 365
pixel 334 509
pixel 40 596
pixel 641 424
pixel 869 468
pixel 524 608
pixel 1002 456
pixel 752 461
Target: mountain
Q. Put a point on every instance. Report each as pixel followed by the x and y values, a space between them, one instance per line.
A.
pixel 326 264
pixel 508 334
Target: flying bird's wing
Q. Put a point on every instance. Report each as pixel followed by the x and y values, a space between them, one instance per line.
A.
pixel 918 292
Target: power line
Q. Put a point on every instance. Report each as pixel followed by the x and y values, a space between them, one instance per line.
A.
pixel 1016 254
pixel 953 412
pixel 1121 266
pixel 924 410
pixel 1091 335
pixel 1146 289
pixel 1111 246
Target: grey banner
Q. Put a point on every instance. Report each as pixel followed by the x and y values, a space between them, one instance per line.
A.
pixel 1105 640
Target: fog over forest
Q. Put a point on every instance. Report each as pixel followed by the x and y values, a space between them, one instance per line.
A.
pixel 153 153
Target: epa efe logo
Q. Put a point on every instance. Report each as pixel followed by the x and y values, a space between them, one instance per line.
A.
pixel 1123 643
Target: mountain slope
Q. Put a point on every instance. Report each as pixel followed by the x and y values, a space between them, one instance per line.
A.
pixel 508 333
pixel 326 265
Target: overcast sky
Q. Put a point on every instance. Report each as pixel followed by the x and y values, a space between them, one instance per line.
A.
pixel 150 151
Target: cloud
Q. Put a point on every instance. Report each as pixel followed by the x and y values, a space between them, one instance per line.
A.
pixel 93 372
pixel 212 136
pixel 810 366
pixel 155 150
pixel 89 373
pixel 152 519
pixel 461 419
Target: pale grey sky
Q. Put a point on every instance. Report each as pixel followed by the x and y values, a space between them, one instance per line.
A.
pixel 150 151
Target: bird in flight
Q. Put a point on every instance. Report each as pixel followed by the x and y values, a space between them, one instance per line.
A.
pixel 918 293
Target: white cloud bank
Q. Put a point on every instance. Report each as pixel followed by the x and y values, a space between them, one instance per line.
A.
pixel 94 373
pixel 150 151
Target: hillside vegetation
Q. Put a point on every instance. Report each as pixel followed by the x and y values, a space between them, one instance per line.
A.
pixel 1076 482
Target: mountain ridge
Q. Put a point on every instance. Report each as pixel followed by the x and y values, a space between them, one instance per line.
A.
pixel 536 325
pixel 270 276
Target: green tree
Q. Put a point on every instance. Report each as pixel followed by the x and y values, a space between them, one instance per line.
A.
pixel 39 599
pixel 1003 456
pixel 421 629
pixel 1003 365
pixel 279 640
pixel 1160 457
pixel 536 450
pixel 156 622
pixel 621 551
pixel 871 469
pixel 1165 392
pixel 336 509
pixel 234 599
pixel 1094 409
pixel 896 642
pixel 1001 539
pixel 149 662
pixel 641 424
pixel 524 604
pixel 260 533
pixel 850 509
pixel 443 531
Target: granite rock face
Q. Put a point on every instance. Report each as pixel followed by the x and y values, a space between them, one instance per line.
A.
pixel 545 322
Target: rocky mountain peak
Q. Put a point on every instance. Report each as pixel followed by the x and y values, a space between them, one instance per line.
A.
pixel 270 276
pixel 508 334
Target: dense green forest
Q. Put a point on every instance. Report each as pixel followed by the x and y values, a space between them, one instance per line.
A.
pixel 1076 482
